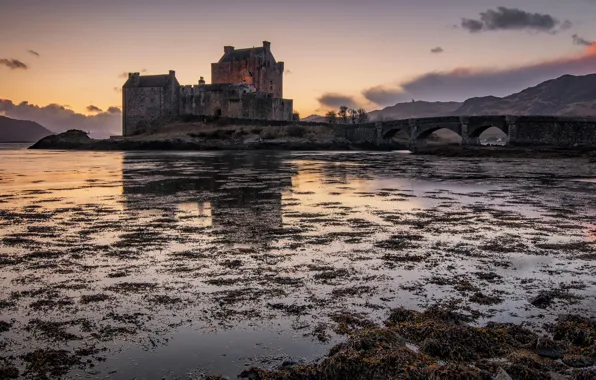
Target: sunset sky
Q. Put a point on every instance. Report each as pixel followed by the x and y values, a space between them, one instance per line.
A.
pixel 66 58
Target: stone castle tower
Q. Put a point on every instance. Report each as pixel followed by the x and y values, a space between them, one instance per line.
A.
pixel 253 66
pixel 246 84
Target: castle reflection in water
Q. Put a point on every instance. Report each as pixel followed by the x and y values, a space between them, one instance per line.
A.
pixel 242 193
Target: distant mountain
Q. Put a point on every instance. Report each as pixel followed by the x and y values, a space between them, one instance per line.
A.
pixel 315 118
pixel 565 96
pixel 12 130
pixel 414 110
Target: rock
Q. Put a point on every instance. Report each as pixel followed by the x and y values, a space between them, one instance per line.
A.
pixel 5 326
pixel 502 375
pixel 8 372
pixel 545 348
pixel 251 374
pixel 288 364
pixel 578 361
pixel 550 353
pixel 71 139
pixel 542 300
pixel 557 376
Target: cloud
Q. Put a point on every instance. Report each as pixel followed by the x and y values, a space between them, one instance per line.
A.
pixel 94 109
pixel 333 100
pixel 385 95
pixel 464 82
pixel 33 52
pixel 577 40
pixel 513 19
pixel 437 50
pixel 117 89
pixel 114 110
pixel 13 64
pixel 472 26
pixel 58 118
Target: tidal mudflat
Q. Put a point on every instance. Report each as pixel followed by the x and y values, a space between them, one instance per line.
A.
pixel 183 265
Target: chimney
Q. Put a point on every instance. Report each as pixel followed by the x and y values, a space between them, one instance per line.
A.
pixel 201 81
pixel 267 46
pixel 172 73
pixel 136 78
pixel 228 49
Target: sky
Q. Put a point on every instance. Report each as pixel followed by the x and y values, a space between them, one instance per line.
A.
pixel 63 62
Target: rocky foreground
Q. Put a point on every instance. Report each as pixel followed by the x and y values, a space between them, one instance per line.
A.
pixel 439 344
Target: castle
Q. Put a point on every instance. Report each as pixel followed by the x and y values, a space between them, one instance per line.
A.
pixel 246 83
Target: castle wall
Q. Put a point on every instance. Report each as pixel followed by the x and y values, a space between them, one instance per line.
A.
pixel 147 108
pixel 271 79
pixel 142 106
pixel 171 98
pixel 232 102
pixel 211 100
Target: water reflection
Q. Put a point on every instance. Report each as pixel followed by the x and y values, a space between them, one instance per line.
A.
pixel 241 194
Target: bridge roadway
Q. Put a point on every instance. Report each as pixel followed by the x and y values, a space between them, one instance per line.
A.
pixel 520 130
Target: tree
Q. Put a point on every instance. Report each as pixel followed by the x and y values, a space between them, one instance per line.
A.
pixel 331 117
pixel 353 115
pixel 343 114
pixel 296 116
pixel 362 116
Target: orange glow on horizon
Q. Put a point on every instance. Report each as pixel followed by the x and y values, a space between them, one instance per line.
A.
pixel 591 50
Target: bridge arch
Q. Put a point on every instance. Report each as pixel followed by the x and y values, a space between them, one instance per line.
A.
pixel 388 135
pixel 476 132
pixel 426 132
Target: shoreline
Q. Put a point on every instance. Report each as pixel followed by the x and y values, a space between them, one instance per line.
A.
pixel 78 140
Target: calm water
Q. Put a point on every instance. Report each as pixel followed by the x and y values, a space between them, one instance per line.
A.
pixel 179 264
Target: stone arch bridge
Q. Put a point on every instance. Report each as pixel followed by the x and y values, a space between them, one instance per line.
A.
pixel 520 130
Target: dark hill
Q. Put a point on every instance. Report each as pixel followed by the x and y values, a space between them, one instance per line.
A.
pixel 565 96
pixel 414 110
pixel 12 130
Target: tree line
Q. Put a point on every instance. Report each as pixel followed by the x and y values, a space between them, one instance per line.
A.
pixel 347 115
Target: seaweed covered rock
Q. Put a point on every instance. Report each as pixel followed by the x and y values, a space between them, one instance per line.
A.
pixel 443 334
pixel 576 330
pixel 440 344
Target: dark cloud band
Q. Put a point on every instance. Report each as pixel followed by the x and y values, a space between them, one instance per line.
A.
pixel 463 83
pixel 513 19
pixel 332 100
